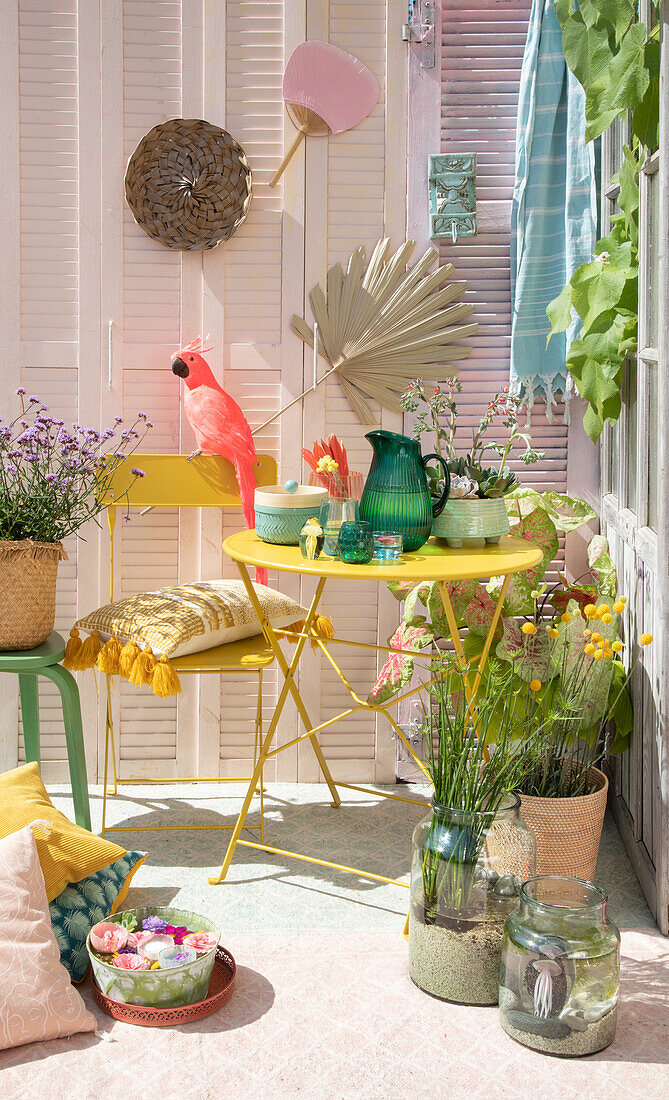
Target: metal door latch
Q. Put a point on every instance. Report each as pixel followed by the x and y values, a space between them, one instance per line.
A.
pixel 420 29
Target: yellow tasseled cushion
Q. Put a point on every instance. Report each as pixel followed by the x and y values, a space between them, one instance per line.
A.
pixel 69 853
pixel 187 619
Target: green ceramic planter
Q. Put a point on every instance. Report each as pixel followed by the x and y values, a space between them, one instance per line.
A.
pixel 182 985
pixel 471 523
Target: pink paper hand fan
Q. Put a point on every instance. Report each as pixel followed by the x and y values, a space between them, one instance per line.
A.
pixel 326 91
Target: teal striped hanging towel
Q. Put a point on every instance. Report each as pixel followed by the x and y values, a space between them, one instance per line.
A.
pixel 554 209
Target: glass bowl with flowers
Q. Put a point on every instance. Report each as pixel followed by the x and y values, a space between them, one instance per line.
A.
pixel 160 957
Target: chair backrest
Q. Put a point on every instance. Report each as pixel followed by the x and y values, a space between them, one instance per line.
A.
pixel 174 481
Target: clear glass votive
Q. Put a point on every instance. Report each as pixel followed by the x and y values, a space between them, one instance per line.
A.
pixel 387 546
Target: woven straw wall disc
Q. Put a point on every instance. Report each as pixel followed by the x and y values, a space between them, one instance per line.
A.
pixel 188 184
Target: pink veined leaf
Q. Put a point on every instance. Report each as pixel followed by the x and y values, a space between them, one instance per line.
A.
pixel 461 594
pixel 398 669
pixel 529 653
pixel 539 530
pixel 479 613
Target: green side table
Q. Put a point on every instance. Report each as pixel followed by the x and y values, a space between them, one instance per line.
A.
pixel 45 660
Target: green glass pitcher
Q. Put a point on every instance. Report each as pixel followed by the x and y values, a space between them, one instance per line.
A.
pixel 396 495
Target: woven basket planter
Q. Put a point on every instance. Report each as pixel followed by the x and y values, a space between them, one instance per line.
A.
pixel 188 184
pixel 568 830
pixel 28 572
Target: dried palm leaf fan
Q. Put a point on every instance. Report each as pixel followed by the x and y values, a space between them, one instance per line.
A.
pixel 326 91
pixel 382 325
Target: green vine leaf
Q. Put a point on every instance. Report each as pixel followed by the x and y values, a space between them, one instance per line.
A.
pixel 646 117
pixel 559 312
pixel 628 77
pixel 619 13
pixel 596 289
pixel 587 49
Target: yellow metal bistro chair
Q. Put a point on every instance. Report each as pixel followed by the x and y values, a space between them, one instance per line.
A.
pixel 174 481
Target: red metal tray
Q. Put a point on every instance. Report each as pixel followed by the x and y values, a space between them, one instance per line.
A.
pixel 220 991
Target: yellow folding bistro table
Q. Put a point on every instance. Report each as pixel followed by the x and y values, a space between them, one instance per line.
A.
pixel 431 563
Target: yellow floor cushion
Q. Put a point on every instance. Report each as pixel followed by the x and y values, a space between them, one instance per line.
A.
pixel 67 853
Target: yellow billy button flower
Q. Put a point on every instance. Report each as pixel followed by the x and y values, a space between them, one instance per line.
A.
pixel 535 685
pixel 528 628
pixel 603 608
pixel 596 637
pixel 552 632
pixel 566 618
pixel 590 611
pixel 587 633
pixel 608 652
pixel 617 646
pixel 646 639
pixel 618 607
pixel 623 600
pixel 599 654
pixel 607 617
pixel 590 648
pixel 577 612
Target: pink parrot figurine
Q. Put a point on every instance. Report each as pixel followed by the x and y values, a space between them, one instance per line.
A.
pixel 219 424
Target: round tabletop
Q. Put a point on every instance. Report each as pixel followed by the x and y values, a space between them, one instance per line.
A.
pixel 433 562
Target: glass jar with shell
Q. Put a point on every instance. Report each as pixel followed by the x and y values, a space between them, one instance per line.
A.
pixel 560 968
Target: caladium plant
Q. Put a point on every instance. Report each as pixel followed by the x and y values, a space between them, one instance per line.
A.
pixel 537 518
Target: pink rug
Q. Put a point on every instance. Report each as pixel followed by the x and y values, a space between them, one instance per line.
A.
pixel 336 1016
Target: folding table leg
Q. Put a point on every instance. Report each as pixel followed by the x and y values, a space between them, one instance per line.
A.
pixel 283 695
pixel 289 671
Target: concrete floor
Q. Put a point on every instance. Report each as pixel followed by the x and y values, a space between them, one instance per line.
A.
pixel 323 1006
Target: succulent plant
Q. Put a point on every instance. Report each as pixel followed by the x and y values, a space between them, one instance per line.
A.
pixel 489 482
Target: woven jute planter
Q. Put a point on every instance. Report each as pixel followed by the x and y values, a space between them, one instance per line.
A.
pixel 568 830
pixel 28 572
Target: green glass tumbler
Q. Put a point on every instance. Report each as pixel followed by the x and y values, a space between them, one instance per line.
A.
pixel 356 542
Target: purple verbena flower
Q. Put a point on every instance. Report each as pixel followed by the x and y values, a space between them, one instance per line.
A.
pixel 154 924
pixel 20 392
pixel 137 472
pixel 118 419
pixel 33 400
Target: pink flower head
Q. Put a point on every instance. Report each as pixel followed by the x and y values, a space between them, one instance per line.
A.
pixel 201 941
pixel 107 937
pixel 179 933
pixel 131 962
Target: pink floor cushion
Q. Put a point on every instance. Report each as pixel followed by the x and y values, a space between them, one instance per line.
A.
pixel 37 1000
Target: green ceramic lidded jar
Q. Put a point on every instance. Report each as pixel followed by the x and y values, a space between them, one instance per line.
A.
pixel 396 496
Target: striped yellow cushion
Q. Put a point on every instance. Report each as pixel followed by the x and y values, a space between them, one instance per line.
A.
pixel 191 617
pixel 69 853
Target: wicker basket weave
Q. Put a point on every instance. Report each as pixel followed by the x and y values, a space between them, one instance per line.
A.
pixel 568 830
pixel 28 572
pixel 188 184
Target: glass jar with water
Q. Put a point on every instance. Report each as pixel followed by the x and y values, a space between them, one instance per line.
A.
pixel 560 968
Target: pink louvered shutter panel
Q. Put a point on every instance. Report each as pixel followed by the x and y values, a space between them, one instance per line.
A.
pixel 482 53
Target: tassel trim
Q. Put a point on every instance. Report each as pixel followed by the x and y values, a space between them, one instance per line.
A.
pixel 322 627
pixel 139 667
pixel 72 649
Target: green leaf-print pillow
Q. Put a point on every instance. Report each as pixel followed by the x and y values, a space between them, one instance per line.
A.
pixel 82 904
